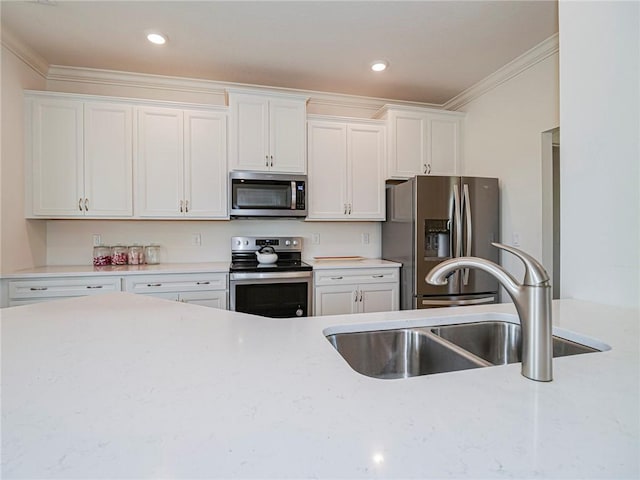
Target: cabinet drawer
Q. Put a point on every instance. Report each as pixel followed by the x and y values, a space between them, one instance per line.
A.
pixel 355 276
pixel 71 287
pixel 176 283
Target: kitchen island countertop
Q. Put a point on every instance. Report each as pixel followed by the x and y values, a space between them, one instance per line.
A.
pixel 128 386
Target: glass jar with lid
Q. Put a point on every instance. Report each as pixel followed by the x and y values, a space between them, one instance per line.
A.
pixel 152 254
pixel 119 255
pixel 136 255
pixel 101 256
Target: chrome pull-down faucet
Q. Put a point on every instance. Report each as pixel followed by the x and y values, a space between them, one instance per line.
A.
pixel 532 300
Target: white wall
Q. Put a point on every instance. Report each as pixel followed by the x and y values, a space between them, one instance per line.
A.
pixel 22 241
pixel 503 139
pixel 599 141
pixel 69 241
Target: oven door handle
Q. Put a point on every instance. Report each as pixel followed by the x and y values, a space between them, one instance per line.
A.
pixel 269 275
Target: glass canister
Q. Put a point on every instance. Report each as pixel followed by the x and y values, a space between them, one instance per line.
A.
pixel 101 256
pixel 136 255
pixel 119 255
pixel 152 254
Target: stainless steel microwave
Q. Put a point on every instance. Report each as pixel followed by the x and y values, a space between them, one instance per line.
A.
pixel 256 194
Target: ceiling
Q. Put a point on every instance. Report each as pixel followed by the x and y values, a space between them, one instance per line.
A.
pixel 435 49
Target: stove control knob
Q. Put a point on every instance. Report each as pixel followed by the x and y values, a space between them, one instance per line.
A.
pixel 238 242
pixel 246 242
pixel 295 242
pixel 299 312
pixel 287 242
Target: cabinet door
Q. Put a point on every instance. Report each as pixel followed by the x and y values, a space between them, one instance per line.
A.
pixel 56 158
pixel 213 299
pixel 159 163
pixel 287 145
pixel 444 144
pixel 108 153
pixel 327 195
pixel 365 163
pixel 249 132
pixel 407 142
pixel 205 164
pixel 335 300
pixel 379 297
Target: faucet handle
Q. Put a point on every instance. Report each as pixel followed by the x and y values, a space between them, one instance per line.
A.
pixel 534 272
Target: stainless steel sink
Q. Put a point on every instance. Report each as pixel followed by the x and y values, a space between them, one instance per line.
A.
pixel 401 353
pixel 410 352
pixel 500 342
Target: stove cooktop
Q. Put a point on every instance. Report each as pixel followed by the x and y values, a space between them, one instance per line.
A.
pixel 279 266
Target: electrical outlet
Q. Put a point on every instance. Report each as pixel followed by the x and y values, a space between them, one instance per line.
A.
pixel 196 240
pixel 315 238
pixel 97 239
pixel 515 239
pixel 365 238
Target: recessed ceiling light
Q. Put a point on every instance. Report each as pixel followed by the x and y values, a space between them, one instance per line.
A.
pixel 379 66
pixel 157 38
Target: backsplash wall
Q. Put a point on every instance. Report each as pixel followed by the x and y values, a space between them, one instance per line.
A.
pixel 70 242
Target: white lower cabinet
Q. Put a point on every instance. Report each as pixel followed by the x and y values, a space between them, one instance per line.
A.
pixel 209 289
pixel 367 290
pixel 24 292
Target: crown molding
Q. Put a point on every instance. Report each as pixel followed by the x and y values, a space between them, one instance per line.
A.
pixel 210 87
pixel 30 58
pixel 62 73
pixel 543 50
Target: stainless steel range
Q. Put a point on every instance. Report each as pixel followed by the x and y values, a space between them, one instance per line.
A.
pixel 279 290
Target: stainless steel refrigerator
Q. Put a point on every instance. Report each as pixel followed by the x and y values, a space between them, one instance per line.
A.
pixel 431 219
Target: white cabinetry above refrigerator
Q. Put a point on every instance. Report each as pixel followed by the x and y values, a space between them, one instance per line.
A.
pixel 422 141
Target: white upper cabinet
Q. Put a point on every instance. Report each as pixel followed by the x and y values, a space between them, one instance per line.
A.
pixel 181 166
pixel 79 158
pixel 346 162
pixel 108 153
pixel 267 132
pixel 422 141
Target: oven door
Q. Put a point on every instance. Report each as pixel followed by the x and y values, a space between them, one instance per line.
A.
pixel 275 295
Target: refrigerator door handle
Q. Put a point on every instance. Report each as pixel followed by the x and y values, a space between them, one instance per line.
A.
pixel 456 303
pixel 457 221
pixel 466 200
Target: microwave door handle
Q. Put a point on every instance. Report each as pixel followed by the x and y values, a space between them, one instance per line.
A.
pixel 293 195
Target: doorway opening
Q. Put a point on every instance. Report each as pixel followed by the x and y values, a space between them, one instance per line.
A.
pixel 551 206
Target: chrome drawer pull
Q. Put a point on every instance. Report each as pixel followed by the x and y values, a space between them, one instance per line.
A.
pixel 94 286
pixel 154 284
pixel 336 278
pixel 203 283
pixel 38 289
pixel 377 276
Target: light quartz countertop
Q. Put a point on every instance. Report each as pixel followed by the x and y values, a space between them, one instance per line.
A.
pixel 128 386
pixel 90 270
pixel 340 264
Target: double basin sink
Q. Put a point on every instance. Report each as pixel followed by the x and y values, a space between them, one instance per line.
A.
pixel 410 352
